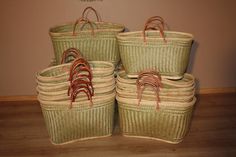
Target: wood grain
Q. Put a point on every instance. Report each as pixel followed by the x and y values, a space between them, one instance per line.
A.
pixel 212 133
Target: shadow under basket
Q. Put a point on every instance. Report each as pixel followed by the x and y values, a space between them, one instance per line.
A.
pixel 170 123
pixel 81 122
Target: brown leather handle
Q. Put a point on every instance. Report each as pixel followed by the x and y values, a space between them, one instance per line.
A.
pixel 83 22
pixel 150 25
pixel 79 81
pixel 158 19
pixel 148 78
pixel 87 9
pixel 71 52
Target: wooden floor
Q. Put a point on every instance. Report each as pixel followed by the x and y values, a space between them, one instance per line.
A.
pixel 212 133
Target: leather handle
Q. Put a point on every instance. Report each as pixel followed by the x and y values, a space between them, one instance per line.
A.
pixel 151 25
pixel 83 22
pixel 87 10
pixel 71 52
pixel 148 78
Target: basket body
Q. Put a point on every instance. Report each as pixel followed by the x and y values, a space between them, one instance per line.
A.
pixel 79 123
pixel 169 124
pixel 170 58
pixel 102 46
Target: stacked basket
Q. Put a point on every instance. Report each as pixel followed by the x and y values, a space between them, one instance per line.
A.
pixel 77 99
pixel 155 96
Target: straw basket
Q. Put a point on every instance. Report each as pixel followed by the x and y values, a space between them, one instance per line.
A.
pixel 169 124
pixel 81 122
pixel 87 116
pixel 166 51
pixel 96 40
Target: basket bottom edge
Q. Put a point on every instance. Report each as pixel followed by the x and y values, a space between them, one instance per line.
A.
pixel 80 139
pixel 153 138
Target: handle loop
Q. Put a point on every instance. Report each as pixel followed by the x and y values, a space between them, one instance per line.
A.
pixel 70 53
pixel 84 21
pixel 148 78
pixel 150 25
pixel 79 81
pixel 91 9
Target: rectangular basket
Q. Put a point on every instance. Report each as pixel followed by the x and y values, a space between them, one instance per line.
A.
pixel 100 46
pixel 81 122
pixel 169 124
pixel 170 58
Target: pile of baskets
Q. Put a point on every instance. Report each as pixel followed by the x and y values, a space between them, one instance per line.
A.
pixel 77 99
pixel 155 96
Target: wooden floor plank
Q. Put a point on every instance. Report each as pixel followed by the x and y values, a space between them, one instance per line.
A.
pixel 212 133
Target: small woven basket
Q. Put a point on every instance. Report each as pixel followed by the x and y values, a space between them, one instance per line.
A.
pixel 141 50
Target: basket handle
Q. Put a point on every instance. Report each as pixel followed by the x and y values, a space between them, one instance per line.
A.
pixel 79 80
pixel 91 9
pixel 157 26
pixel 150 78
pixel 71 52
pixel 84 21
pixel 155 19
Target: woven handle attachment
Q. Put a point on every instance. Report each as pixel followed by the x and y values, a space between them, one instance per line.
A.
pixel 70 53
pixel 154 23
pixel 83 22
pixel 148 78
pixel 87 10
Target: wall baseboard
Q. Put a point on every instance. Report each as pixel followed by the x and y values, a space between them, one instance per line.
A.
pixel 200 91
pixel 19 98
pixel 216 90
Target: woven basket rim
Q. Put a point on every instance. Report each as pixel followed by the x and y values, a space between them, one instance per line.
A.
pixel 134 102
pixel 38 74
pixel 70 33
pixel 96 102
pixel 123 36
pixel 120 78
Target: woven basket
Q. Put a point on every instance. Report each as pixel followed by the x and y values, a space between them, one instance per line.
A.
pixel 81 122
pixel 100 46
pixel 169 124
pixel 142 50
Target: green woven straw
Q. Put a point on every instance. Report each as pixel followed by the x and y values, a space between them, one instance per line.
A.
pixel 170 58
pixel 81 121
pixel 102 46
pixel 170 123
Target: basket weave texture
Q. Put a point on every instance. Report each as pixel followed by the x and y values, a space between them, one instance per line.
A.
pixel 100 46
pixel 170 56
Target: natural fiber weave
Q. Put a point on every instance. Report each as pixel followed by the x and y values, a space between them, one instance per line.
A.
pixel 102 46
pixel 170 58
pixel 81 121
pixel 170 123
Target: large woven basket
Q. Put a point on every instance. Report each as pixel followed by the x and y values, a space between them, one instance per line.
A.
pixel 169 124
pixel 81 121
pixel 101 45
pixel 147 49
